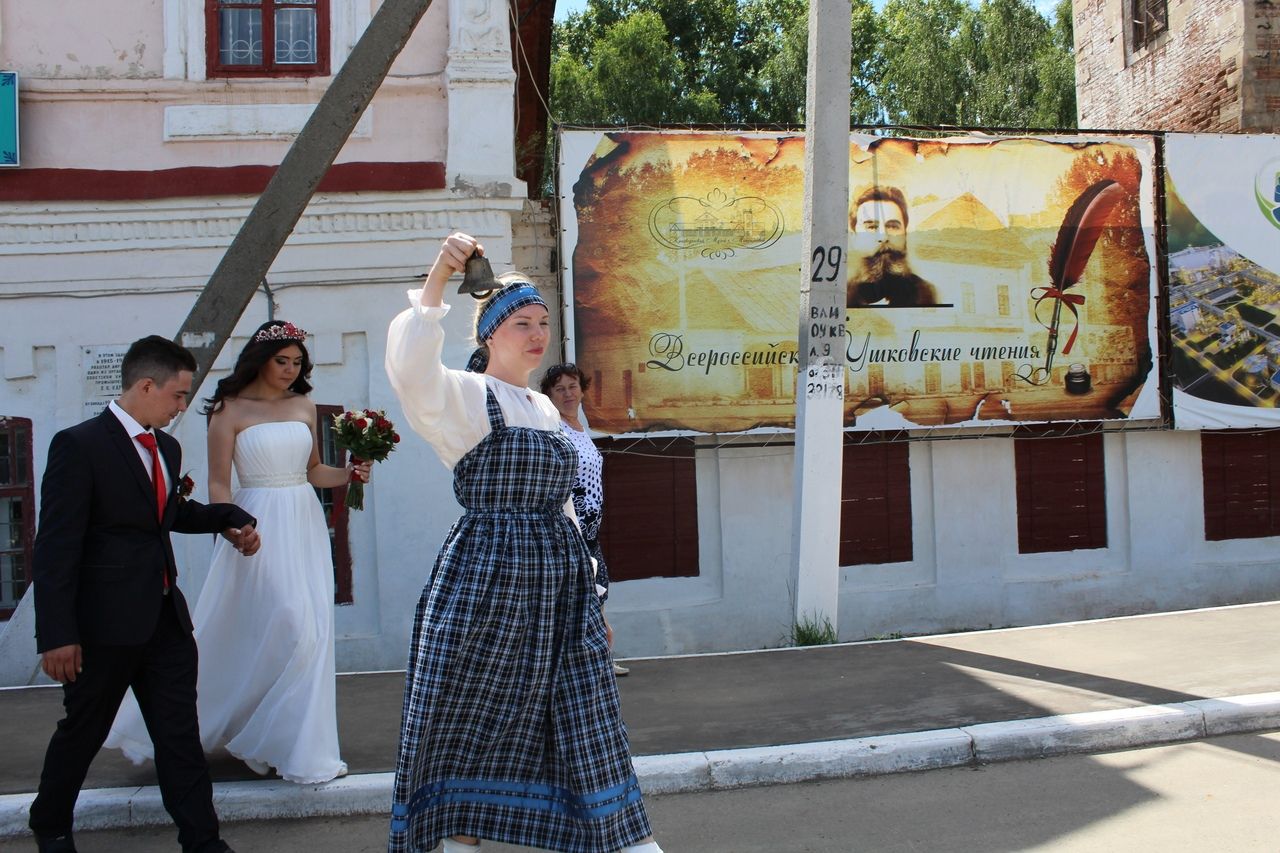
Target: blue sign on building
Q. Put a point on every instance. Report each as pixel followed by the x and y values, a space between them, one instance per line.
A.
pixel 9 119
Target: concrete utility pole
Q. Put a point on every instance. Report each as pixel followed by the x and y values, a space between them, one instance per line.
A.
pixel 269 224
pixel 820 387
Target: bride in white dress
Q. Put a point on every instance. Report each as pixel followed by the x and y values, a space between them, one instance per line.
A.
pixel 264 624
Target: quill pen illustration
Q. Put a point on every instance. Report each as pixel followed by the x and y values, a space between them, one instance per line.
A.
pixel 1081 228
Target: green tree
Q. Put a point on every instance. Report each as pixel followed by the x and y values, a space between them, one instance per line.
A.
pixel 1023 68
pixel 1003 39
pixel 1000 64
pixel 917 62
pixel 1055 101
pixel 631 74
pixel 782 76
pixel 783 73
pixel 926 77
pixel 746 56
pixel 867 64
pixel 774 35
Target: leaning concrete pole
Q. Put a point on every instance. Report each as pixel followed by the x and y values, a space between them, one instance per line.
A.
pixel 820 382
pixel 243 267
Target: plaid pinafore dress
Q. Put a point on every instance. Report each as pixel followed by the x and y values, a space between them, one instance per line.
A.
pixel 511 728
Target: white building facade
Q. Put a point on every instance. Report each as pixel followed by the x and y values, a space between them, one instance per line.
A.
pixel 142 152
pixel 145 141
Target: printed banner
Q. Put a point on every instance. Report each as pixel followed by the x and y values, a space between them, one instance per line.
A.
pixel 1222 203
pixel 989 280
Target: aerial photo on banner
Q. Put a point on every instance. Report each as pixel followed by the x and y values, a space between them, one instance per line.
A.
pixel 989 280
pixel 1222 201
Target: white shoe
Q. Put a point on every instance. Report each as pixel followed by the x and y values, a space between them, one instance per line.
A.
pixel 620 670
pixel 262 768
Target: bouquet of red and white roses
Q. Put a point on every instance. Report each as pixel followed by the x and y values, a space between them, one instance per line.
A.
pixel 368 436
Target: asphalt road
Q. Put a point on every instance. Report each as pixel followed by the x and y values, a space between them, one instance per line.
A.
pixel 1212 795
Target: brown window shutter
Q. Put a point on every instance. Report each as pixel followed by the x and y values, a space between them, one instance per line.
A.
pixel 1241 474
pixel 875 504
pixel 650 526
pixel 1062 493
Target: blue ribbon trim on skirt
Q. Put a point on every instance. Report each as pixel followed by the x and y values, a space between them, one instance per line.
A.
pixel 521 795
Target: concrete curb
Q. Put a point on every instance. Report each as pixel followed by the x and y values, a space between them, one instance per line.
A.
pixel 1093 731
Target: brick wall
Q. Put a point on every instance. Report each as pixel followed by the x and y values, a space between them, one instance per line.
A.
pixel 1188 78
pixel 1260 84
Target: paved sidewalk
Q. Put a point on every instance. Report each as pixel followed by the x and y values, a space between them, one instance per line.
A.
pixel 712 721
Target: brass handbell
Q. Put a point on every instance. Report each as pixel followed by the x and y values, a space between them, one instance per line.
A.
pixel 477 277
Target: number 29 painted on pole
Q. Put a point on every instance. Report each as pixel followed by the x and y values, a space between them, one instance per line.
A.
pixel 824 258
pixel 824 376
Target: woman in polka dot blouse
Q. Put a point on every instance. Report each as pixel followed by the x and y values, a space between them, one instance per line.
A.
pixel 565 384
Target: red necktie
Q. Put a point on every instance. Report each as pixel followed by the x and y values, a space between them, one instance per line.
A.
pixel 148 441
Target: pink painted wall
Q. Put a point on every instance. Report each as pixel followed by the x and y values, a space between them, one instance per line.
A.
pixel 94 95
pixel 75 40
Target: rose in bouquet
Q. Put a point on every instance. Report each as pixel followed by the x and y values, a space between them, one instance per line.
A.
pixel 369 437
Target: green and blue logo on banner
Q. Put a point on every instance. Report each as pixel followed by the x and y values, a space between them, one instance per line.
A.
pixel 8 118
pixel 1267 189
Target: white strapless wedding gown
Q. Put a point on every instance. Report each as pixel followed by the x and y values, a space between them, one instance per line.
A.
pixel 264 625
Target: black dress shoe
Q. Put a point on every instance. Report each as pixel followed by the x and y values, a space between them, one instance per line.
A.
pixel 215 846
pixel 58 844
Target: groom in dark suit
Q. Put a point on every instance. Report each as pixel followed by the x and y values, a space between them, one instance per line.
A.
pixel 109 614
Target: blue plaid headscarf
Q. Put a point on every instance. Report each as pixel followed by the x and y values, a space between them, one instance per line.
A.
pixel 507 301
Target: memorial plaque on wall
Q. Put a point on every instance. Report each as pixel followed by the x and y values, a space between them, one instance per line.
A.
pixel 101 366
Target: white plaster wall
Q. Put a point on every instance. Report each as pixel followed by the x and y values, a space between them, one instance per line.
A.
pixel 105 274
pixel 76 275
pixel 966 572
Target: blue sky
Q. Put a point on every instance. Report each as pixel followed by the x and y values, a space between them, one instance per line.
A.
pixel 564 7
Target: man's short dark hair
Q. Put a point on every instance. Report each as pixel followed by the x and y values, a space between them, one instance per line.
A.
pixel 155 358
pixel 878 193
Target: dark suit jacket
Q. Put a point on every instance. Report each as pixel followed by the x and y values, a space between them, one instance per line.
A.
pixel 100 552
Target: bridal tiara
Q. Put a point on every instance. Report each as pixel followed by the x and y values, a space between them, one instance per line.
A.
pixel 287 332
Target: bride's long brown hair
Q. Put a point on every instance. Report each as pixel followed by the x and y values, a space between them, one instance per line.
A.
pixel 249 364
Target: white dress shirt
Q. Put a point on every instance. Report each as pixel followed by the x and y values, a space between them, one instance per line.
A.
pixel 135 429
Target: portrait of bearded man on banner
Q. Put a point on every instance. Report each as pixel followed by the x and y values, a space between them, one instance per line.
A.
pixel 879 273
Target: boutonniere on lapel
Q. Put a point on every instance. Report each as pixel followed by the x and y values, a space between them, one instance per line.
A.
pixel 185 487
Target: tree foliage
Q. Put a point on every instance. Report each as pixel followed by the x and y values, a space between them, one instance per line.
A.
pixel 998 63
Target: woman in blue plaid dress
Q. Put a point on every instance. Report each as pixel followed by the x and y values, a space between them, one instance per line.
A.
pixel 511 727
